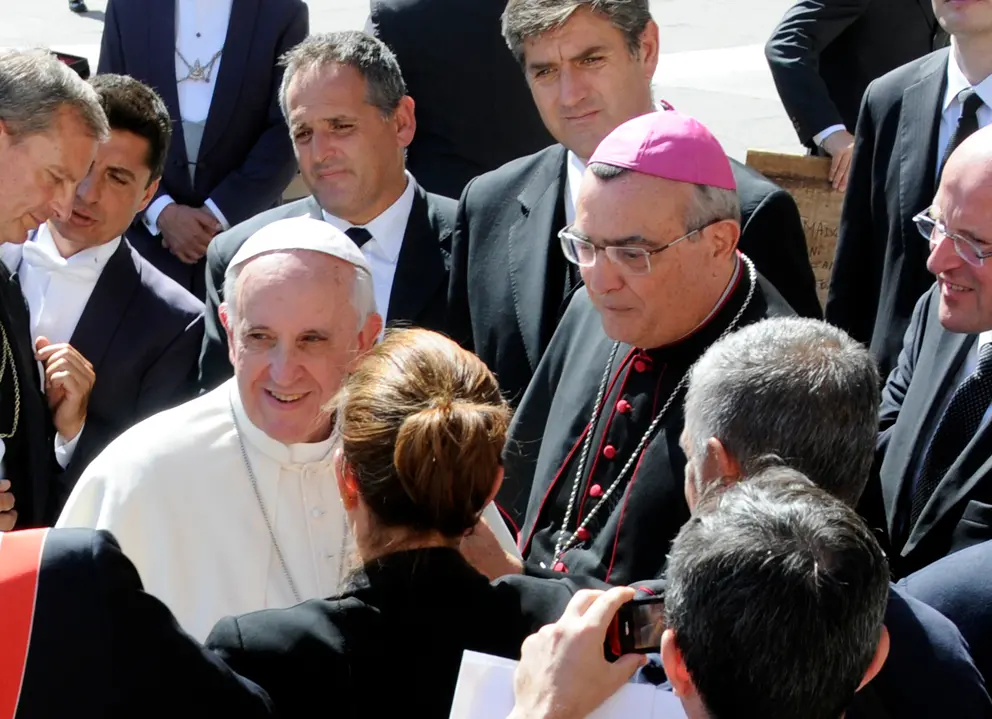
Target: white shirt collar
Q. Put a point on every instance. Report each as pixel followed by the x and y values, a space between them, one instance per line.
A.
pixel 957 82
pixel 10 255
pixel 574 169
pixel 389 227
pixel 96 257
pixel 284 454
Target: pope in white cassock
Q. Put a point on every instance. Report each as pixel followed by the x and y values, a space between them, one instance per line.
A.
pixel 228 503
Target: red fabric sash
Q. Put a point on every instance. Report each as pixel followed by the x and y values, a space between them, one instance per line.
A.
pixel 20 560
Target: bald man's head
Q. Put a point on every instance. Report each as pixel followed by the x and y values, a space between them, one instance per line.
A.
pixel 963 237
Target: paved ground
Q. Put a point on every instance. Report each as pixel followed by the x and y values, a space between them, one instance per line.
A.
pixel 713 66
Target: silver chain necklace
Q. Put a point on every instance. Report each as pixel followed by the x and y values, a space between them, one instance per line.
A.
pixel 261 507
pixel 7 359
pixel 196 71
pixel 563 545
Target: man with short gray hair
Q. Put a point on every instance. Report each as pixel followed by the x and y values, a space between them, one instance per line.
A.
pixel 228 503
pixel 50 124
pixel 589 65
pixel 350 120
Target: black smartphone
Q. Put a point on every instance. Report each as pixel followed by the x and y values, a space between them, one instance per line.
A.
pixel 637 627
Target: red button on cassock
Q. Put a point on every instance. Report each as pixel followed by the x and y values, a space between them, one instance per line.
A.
pixel 595 491
pixel 582 534
pixel 639 366
pixel 560 567
pixel 609 451
pixel 623 406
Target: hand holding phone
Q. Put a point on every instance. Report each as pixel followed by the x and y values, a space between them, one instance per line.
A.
pixel 637 627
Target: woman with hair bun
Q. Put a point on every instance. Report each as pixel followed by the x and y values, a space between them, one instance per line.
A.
pixel 420 429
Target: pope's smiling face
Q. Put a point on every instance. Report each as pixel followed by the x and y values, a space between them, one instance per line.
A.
pixel 294 336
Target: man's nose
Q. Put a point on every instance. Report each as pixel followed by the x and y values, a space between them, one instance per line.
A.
pixel 603 276
pixel 283 364
pixel 943 256
pixel 62 201
pixel 324 147
pixel 571 87
pixel 88 191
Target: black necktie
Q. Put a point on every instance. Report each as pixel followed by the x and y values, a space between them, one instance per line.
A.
pixel 956 428
pixel 967 124
pixel 358 235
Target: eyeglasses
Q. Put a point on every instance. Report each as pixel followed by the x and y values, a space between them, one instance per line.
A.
pixel 630 259
pixel 935 231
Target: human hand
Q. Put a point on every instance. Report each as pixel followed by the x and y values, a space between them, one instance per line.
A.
pixel 69 379
pixel 187 231
pixel 840 146
pixel 482 550
pixel 563 673
pixel 8 515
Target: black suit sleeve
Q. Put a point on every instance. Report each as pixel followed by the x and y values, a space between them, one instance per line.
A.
pixel 156 659
pixel 856 279
pixel 215 364
pixel 270 165
pixel 779 252
pixel 169 381
pixel 111 49
pixel 459 320
pixel 793 54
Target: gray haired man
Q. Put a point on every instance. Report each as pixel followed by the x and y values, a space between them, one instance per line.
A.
pixel 803 393
pixel 50 124
pixel 351 120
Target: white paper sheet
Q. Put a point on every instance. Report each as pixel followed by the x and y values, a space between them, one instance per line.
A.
pixel 485 691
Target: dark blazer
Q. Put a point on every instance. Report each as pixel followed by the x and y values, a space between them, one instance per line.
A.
pixel 142 333
pixel 29 459
pixel 246 158
pixel 959 586
pixel 824 53
pixel 959 514
pixel 429 605
pixel 880 264
pixel 419 293
pixel 506 232
pixel 465 126
pixel 101 647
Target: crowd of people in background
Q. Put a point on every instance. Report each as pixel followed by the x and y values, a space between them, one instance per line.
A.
pixel 528 346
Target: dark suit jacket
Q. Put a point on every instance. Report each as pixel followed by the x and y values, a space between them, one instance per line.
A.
pixel 419 293
pixel 429 605
pixel 959 586
pixel 101 647
pixel 29 460
pixel 880 264
pixel 246 157
pixel 507 229
pixel 142 333
pixel 959 514
pixel 474 109
pixel 824 53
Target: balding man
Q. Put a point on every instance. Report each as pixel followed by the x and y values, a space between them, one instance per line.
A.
pixel 933 490
pixel 228 504
pixel 50 124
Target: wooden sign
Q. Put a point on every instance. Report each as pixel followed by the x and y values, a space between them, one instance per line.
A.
pixel 806 179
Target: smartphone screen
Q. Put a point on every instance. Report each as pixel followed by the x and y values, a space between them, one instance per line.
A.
pixel 638 627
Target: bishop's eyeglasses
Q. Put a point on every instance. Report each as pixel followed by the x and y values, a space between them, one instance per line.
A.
pixel 630 259
pixel 936 232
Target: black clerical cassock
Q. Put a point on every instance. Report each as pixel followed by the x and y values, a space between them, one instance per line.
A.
pixel 29 452
pixel 622 510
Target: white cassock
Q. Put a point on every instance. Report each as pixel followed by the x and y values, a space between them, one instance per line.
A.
pixel 175 492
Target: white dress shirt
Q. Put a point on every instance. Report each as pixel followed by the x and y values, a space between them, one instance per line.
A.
pixel 383 250
pixel 201 30
pixel 574 169
pixel 951 108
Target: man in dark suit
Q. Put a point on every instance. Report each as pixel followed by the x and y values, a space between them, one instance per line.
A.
pixel 88 289
pixel 351 119
pixel 50 125
pixel 932 492
pixel 959 586
pixel 509 279
pixel 82 638
pixel 910 121
pixel 215 65
pixel 824 53
pixel 474 110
